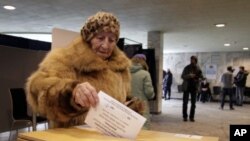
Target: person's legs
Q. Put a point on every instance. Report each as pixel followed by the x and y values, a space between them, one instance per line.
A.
pixel 203 96
pixel 198 98
pixel 193 106
pixel 237 97
pixel 241 95
pixel 165 93
pixel 206 96
pixel 185 104
pixel 229 91
pixel 223 98
pixel 169 92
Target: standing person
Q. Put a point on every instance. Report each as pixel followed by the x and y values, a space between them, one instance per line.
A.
pixel 141 84
pixel 191 76
pixel 163 74
pixel 240 82
pixel 167 83
pixel 68 80
pixel 227 81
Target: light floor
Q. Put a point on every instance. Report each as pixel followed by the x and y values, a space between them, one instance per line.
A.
pixel 210 120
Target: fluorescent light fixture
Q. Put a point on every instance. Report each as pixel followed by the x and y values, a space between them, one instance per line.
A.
pixel 245 48
pixel 220 25
pixel 9 7
pixel 227 44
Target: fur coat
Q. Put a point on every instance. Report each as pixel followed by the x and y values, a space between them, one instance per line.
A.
pixel 49 89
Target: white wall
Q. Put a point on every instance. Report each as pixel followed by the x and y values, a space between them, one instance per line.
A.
pixel 177 61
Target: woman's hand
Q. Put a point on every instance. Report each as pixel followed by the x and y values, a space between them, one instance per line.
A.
pixel 85 95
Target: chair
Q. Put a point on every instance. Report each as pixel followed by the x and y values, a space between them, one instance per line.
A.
pixel 19 111
pixel 19 116
pixel 217 90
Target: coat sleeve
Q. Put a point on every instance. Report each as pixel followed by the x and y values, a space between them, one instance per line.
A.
pixel 49 90
pixel 185 74
pixel 148 87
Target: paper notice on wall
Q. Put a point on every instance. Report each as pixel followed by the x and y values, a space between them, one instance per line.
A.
pixel 112 118
pixel 211 71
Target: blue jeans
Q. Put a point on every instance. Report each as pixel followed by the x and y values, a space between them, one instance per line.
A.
pixel 239 95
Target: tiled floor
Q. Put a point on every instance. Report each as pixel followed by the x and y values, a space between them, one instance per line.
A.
pixel 210 120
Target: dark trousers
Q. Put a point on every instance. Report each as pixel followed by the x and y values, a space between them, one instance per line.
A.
pixel 204 96
pixel 185 103
pixel 227 91
pixel 167 90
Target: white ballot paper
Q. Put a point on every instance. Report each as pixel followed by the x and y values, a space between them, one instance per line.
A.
pixel 112 118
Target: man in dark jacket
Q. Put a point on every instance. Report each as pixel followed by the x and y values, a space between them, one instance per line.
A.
pixel 240 82
pixel 227 81
pixel 191 76
pixel 167 83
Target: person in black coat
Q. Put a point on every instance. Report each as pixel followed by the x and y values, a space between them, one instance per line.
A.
pixel 191 76
pixel 240 82
pixel 167 83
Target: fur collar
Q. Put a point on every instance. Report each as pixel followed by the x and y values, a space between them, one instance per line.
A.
pixel 85 60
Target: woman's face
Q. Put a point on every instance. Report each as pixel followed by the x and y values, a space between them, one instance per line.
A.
pixel 103 44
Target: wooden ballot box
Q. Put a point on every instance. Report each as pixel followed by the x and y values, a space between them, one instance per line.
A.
pixel 88 134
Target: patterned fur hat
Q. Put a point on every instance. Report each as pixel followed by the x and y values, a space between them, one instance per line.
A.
pixel 101 21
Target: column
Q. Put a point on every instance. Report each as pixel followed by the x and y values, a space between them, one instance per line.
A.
pixel 155 41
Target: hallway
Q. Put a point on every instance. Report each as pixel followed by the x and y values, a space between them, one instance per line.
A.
pixel 209 119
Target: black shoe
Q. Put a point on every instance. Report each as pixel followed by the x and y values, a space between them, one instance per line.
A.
pixel 231 108
pixel 192 120
pixel 185 119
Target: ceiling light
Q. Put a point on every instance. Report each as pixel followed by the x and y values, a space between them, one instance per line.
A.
pixel 9 7
pixel 220 25
pixel 245 48
pixel 227 44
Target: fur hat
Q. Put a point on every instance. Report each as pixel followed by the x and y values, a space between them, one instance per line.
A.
pixel 101 21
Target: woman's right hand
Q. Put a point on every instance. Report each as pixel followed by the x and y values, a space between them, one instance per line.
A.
pixel 85 95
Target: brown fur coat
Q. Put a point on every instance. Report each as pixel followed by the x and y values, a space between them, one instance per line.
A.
pixel 50 88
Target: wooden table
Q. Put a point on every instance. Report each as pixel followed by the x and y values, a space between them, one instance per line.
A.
pixel 88 134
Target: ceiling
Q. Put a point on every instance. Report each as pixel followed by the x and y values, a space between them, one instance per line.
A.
pixel 187 25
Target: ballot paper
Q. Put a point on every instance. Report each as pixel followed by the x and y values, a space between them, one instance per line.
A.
pixel 189 136
pixel 113 118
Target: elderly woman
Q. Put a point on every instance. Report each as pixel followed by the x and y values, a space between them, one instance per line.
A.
pixel 68 79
